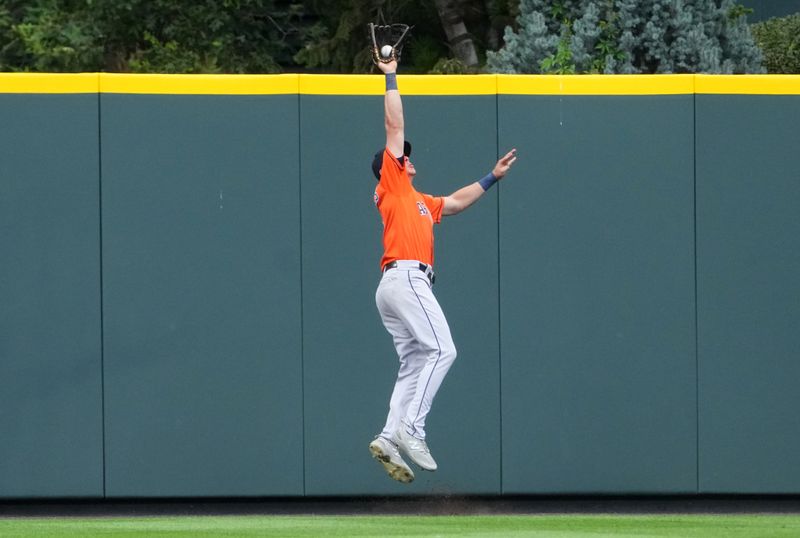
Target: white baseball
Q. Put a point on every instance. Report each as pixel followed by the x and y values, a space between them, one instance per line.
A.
pixel 386 51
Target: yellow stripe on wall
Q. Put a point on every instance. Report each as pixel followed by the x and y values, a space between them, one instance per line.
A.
pixel 595 84
pixel 48 82
pixel 447 84
pixel 341 84
pixel 748 84
pixel 294 84
pixel 408 84
pixel 199 84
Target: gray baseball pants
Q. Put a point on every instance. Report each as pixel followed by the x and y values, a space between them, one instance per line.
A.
pixel 412 315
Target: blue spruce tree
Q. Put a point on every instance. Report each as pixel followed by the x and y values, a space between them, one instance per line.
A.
pixel 628 36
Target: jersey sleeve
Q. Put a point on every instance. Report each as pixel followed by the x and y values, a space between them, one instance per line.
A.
pixel 435 205
pixel 393 175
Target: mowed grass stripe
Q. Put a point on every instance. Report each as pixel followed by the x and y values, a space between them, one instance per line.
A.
pixel 546 526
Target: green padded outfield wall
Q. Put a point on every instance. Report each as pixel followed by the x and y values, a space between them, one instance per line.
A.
pixel 597 293
pixel 190 265
pixel 748 292
pixel 51 422
pixel 201 289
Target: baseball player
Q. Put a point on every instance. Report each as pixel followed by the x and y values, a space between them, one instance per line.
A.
pixel 405 299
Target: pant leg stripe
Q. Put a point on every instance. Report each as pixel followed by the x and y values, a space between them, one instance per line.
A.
pixel 439 350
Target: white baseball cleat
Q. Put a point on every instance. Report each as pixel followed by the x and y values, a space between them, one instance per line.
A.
pixel 416 449
pixel 387 454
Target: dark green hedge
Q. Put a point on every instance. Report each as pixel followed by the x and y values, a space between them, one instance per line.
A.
pixel 779 39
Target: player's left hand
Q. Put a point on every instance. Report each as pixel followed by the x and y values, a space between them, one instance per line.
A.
pixel 504 164
pixel 388 67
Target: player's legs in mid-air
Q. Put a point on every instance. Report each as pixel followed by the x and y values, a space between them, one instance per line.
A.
pixel 412 315
pixel 405 386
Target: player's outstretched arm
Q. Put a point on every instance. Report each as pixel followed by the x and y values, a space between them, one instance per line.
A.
pixel 393 110
pixel 466 196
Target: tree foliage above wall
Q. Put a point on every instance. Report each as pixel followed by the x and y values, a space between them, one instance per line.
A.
pixel 779 39
pixel 628 36
pixel 329 36
pixel 205 36
pixel 241 36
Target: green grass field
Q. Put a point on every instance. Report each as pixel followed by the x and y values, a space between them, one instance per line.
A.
pixel 550 526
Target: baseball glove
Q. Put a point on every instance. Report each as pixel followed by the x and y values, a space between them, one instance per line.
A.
pixel 393 36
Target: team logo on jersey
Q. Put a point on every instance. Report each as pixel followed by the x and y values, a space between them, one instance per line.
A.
pixel 423 209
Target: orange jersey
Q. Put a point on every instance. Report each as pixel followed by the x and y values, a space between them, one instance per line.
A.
pixel 408 216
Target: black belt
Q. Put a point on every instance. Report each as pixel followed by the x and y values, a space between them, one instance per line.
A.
pixel 427 269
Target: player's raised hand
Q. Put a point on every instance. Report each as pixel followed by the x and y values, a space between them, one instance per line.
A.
pixel 504 164
pixel 388 67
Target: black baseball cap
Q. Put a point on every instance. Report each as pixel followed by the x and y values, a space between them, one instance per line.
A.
pixel 377 161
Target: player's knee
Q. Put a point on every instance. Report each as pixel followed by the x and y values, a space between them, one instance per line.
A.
pixel 449 352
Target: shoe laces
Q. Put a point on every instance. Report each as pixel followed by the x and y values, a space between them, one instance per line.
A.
pixel 419 444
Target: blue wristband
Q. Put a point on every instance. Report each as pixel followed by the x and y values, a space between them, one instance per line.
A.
pixel 487 181
pixel 391 81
